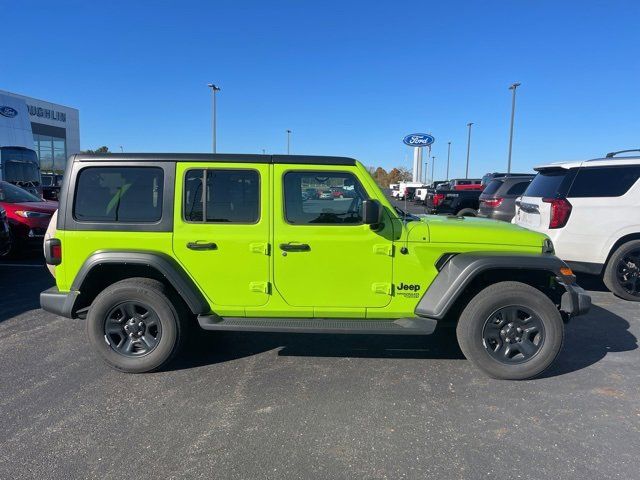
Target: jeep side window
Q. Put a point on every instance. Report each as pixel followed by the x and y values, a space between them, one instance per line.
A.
pixel 612 181
pixel 323 198
pixel 119 194
pixel 232 196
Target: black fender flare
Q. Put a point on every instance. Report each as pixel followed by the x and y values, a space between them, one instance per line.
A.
pixel 167 266
pixel 460 270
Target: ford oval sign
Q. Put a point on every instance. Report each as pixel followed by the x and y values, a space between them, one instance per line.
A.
pixel 419 140
pixel 8 111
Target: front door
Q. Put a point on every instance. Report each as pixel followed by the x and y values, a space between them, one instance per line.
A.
pixel 221 231
pixel 324 256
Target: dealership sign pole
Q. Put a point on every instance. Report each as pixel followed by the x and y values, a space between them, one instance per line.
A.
pixel 417 141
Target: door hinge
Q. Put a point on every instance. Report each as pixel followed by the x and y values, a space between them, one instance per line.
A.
pixel 260 287
pixel 259 247
pixel 384 288
pixel 383 249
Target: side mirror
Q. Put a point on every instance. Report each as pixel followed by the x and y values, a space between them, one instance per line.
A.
pixel 371 212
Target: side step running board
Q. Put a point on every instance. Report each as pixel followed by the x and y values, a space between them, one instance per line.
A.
pixel 399 326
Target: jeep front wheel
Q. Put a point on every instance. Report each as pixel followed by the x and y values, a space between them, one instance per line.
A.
pixel 135 326
pixel 511 331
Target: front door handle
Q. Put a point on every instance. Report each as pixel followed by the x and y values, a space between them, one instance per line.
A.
pixel 202 246
pixel 295 247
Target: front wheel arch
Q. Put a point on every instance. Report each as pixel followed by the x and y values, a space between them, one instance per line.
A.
pixel 541 279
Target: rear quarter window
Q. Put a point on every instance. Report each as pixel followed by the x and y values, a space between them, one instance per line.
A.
pixel 119 194
pixel 518 188
pixel 610 181
pixel 492 187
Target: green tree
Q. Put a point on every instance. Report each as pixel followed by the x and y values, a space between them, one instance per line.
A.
pixel 102 149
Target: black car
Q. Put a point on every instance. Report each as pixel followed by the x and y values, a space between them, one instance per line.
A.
pixel 498 200
pixel 462 203
pixel 5 236
pixel 51 185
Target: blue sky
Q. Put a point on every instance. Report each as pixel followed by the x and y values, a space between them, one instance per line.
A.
pixel 349 78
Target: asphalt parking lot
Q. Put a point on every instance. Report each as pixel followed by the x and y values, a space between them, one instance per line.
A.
pixel 241 406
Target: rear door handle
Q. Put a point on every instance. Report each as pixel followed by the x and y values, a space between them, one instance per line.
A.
pixel 202 246
pixel 295 247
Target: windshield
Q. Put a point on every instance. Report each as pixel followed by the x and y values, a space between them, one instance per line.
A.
pixel 20 165
pixel 12 194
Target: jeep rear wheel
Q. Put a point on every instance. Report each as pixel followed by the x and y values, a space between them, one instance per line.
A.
pixel 622 274
pixel 511 331
pixel 135 325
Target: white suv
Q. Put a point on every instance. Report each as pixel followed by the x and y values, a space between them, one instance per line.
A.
pixel 420 195
pixel 591 212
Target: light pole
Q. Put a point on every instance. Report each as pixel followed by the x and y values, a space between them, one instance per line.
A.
pixel 426 169
pixel 513 113
pixel 448 158
pixel 433 166
pixel 214 89
pixel 264 152
pixel 466 175
pixel 288 141
pixel 121 149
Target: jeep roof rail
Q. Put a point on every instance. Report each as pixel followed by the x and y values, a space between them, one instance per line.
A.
pixel 214 157
pixel 613 154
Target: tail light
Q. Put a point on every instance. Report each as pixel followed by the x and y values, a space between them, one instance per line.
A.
pixel 492 202
pixel 437 198
pixel 53 251
pixel 560 211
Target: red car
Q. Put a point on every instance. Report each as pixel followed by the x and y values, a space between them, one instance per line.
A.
pixel 337 193
pixel 28 215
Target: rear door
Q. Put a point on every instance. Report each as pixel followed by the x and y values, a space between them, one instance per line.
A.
pixel 221 230
pixel 605 207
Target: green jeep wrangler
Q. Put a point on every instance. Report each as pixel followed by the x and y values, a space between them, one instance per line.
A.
pixel 149 244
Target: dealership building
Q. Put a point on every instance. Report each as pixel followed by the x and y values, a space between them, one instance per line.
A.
pixel 55 129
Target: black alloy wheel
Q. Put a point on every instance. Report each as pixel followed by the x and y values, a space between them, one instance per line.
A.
pixel 628 272
pixel 622 271
pixel 513 334
pixel 132 329
pixel 510 330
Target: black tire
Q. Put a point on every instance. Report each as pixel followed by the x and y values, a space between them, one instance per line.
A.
pixel 622 273
pixel 169 318
pixel 467 212
pixel 479 321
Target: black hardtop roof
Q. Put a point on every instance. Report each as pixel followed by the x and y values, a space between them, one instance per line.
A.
pixel 213 157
